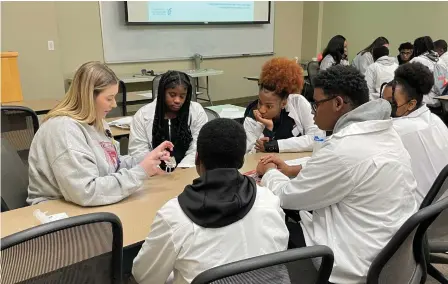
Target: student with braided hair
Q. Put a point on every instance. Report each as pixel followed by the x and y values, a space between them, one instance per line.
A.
pixel 172 116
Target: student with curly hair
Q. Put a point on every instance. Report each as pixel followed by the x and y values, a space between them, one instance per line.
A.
pixel 359 184
pixel 280 120
pixel 406 51
pixel 172 116
pixel 365 57
pixel 335 53
pixel 423 133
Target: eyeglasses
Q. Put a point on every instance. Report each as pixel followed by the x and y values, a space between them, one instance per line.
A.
pixel 315 104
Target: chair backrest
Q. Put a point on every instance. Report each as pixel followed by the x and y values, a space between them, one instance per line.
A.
pixel 14 181
pixel 156 82
pixel 312 69
pixel 19 124
pixel 402 260
pixel 270 268
pixel 211 114
pixel 81 249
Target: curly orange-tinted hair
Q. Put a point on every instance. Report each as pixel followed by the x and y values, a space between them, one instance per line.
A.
pixel 282 75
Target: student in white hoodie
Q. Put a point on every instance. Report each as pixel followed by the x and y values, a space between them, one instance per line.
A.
pixel 424 53
pixel 359 184
pixel 381 71
pixel 335 53
pixel 172 116
pixel 440 47
pixel 423 133
pixel 221 218
pixel 364 58
pixel 280 120
pixel 73 155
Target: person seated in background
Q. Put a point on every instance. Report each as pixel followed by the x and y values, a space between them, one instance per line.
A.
pixel 280 120
pixel 381 71
pixel 221 218
pixel 171 116
pixel 335 53
pixel 73 155
pixel 405 54
pixel 423 133
pixel 440 47
pixel 364 58
pixel 359 184
pixel 425 54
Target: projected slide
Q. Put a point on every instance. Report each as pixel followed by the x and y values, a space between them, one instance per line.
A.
pixel 197 11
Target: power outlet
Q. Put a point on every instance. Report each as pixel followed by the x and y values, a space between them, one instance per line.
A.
pixel 50 45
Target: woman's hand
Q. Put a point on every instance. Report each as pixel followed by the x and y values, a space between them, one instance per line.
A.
pixel 153 159
pixel 268 123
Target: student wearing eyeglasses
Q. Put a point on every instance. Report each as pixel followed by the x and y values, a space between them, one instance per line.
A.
pixel 406 51
pixel 359 184
pixel 423 133
pixel 280 120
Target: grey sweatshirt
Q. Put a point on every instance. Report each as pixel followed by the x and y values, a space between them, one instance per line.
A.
pixel 76 162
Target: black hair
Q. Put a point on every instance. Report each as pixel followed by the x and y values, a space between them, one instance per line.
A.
pixel 379 41
pixel 344 81
pixel 423 44
pixel 380 52
pixel 335 48
pixel 221 144
pixel 415 79
pixel 405 45
pixel 440 44
pixel 169 80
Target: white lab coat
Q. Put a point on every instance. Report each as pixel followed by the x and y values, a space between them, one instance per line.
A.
pixel 380 72
pixel 140 138
pixel 361 189
pixel 444 60
pixel 362 62
pixel 177 244
pixel 299 109
pixel 425 137
pixel 428 99
pixel 328 61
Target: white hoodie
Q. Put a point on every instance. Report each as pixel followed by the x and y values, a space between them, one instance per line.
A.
pixel 74 161
pixel 362 61
pixel 424 59
pixel 378 73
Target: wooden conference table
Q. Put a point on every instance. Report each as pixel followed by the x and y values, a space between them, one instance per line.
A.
pixel 135 212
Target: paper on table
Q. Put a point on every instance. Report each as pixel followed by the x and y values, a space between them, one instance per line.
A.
pixel 124 122
pixel 146 95
pixel 296 162
pixel 44 218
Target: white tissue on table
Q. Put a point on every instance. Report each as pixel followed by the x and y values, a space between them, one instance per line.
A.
pixel 297 162
pixel 231 113
pixel 124 122
pixel 44 218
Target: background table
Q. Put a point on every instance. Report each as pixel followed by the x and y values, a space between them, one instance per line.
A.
pixel 42 106
pixel 135 212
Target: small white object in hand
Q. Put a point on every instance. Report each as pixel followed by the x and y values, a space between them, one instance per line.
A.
pixel 170 164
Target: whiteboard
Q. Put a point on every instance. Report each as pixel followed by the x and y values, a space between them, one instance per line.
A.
pixel 129 43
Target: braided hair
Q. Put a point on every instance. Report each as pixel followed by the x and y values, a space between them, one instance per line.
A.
pixel 169 80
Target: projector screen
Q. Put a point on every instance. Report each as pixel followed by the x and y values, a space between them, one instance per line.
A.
pixel 197 12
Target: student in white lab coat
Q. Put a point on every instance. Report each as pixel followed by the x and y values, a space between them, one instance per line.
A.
pixel 172 116
pixel 381 71
pixel 73 155
pixel 423 133
pixel 280 120
pixel 222 217
pixel 359 184
pixel 364 58
pixel 440 46
pixel 335 53
pixel 425 54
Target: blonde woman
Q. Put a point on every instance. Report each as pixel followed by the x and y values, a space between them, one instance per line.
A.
pixel 73 155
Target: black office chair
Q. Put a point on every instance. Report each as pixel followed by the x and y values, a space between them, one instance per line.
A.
pixel 308 88
pixel 402 260
pixel 274 268
pixel 211 114
pixel 14 180
pixel 19 124
pixel 437 234
pixel 81 249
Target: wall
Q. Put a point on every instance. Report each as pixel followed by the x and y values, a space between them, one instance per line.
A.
pixel 361 22
pixel 75 28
